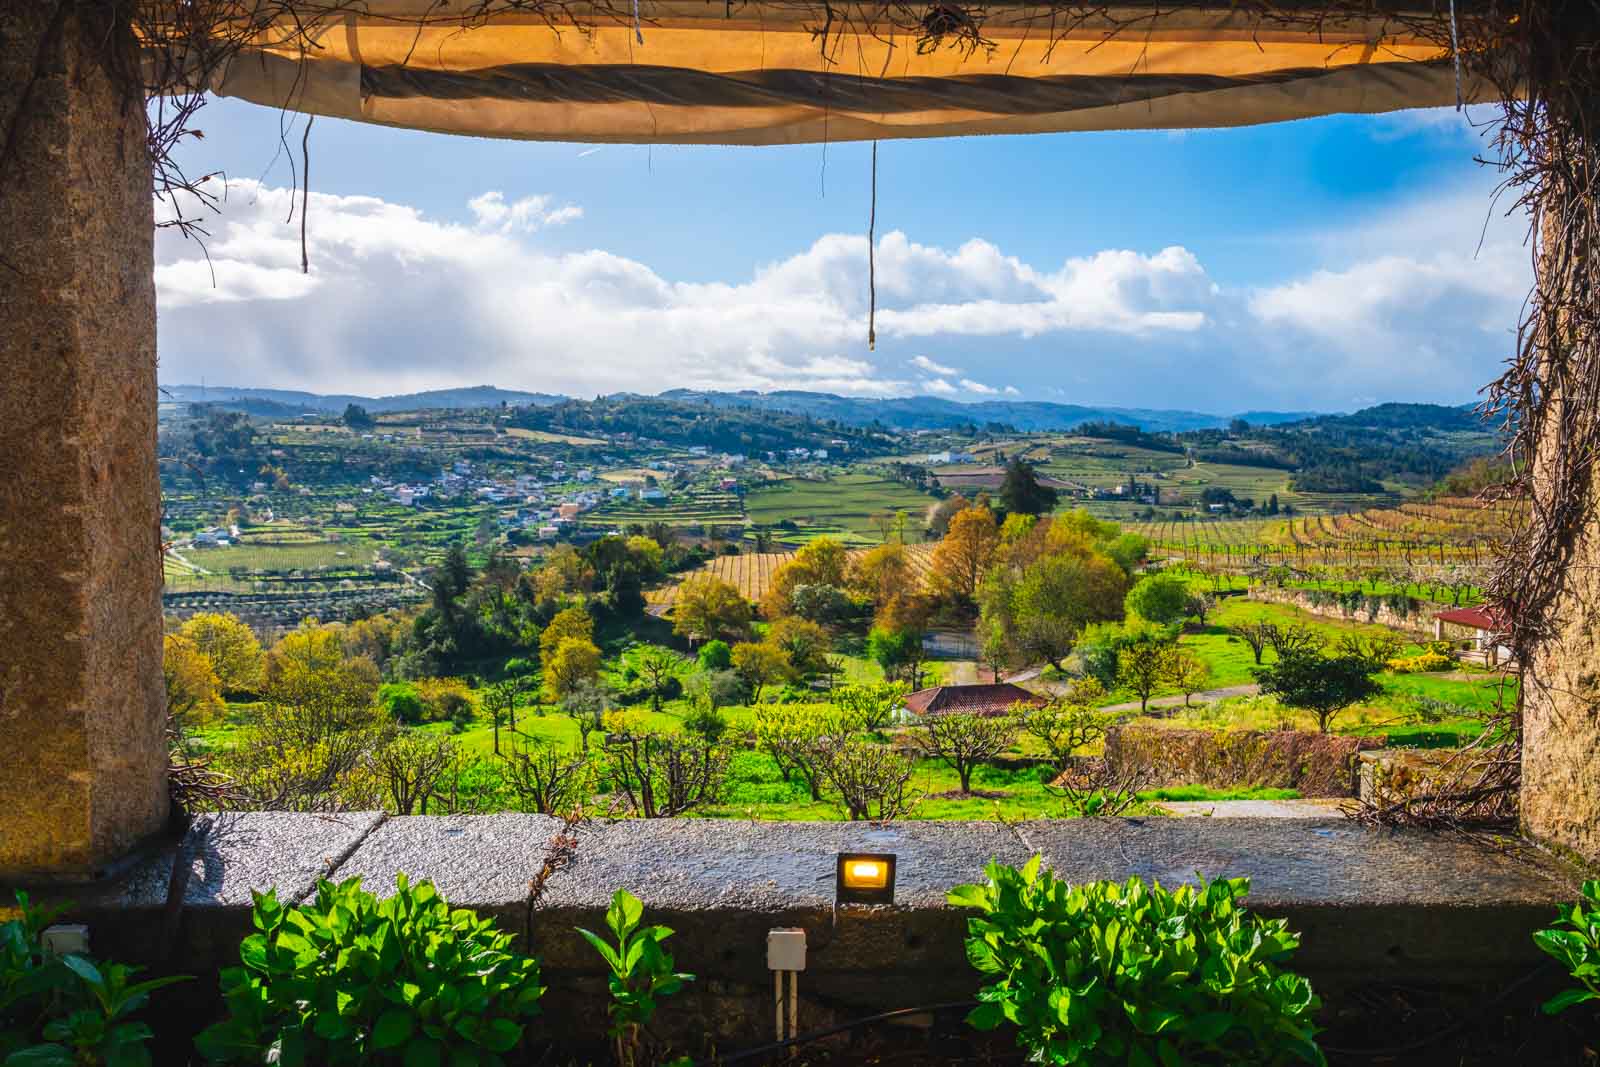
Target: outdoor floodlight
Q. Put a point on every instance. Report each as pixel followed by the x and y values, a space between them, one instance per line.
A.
pixel 865 878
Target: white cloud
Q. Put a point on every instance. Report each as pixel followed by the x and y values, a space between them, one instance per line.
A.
pixel 926 364
pixel 523 216
pixel 1436 288
pixel 1399 305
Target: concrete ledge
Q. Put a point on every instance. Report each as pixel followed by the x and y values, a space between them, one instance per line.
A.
pixel 1372 906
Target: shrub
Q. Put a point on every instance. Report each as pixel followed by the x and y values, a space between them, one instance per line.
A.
pixel 716 656
pixel 59 1011
pixel 708 721
pixel 402 701
pixel 1422 662
pixel 1317 765
pixel 1574 939
pixel 1106 973
pixel 352 980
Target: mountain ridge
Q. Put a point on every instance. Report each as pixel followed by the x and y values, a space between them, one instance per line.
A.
pixel 897 413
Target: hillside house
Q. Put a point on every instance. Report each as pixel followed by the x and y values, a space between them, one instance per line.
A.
pixel 985 700
pixel 1482 626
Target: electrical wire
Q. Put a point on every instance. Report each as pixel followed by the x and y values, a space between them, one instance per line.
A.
pixel 872 259
pixel 817 1035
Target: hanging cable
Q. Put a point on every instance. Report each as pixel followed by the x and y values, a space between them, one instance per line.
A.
pixel 305 194
pixel 1455 52
pixel 872 258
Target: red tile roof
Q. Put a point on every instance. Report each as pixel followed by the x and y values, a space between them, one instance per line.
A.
pixel 1476 618
pixel 970 699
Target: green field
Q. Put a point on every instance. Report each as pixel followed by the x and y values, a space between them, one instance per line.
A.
pixel 841 506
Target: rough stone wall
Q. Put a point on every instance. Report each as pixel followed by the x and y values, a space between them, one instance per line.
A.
pixel 1419 625
pixel 82 755
pixel 1561 713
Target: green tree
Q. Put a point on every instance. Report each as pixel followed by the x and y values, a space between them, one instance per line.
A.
pixel 518 680
pixel 715 655
pixel 1021 492
pixel 898 651
pixel 869 705
pixel 965 741
pixel 1188 672
pixel 1159 598
pixel 658 666
pixel 1322 685
pixel 760 664
pixel 1144 662
pixel 232 648
pixel 1069 723
pixel 357 418
pixel 194 696
pixel 708 607
pixel 575 661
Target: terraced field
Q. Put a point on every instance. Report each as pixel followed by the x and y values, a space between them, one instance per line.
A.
pixel 841 506
pixel 698 509
pixel 752 572
pixel 1443 532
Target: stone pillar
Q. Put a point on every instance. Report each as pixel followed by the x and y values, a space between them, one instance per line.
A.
pixel 1561 680
pixel 82 753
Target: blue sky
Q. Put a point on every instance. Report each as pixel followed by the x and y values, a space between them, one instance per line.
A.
pixel 1319 264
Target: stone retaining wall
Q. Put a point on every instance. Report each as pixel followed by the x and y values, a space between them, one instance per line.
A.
pixel 1372 905
pixel 1418 625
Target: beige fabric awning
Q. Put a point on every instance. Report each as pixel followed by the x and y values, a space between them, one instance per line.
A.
pixel 775 72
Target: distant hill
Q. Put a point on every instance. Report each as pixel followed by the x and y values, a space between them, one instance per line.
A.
pixel 1410 444
pixel 1436 418
pixel 290 401
pixel 933 413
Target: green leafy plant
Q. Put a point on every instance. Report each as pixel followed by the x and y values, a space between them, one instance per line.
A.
pixel 351 979
pixel 1131 974
pixel 100 1030
pixel 641 971
pixel 1574 939
pixel 67 1011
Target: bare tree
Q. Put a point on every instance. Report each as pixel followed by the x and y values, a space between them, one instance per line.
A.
pixel 871 781
pixel 1099 787
pixel 410 767
pixel 586 705
pixel 662 776
pixel 1259 635
pixel 966 741
pixel 1064 726
pixel 460 789
pixel 545 779
pixel 501 698
pixel 657 665
pixel 1188 672
pixel 1296 639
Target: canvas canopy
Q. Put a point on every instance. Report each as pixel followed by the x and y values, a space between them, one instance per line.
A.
pixel 776 72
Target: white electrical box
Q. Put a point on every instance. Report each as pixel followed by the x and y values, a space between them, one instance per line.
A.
pixel 66 939
pixel 786 950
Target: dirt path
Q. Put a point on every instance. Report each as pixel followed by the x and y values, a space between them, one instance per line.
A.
pixel 1177 701
pixel 1318 808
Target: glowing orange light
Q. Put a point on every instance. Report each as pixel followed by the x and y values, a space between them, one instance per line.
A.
pixel 866 874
